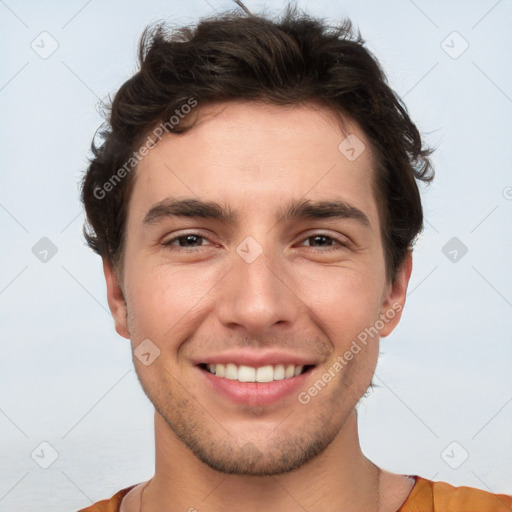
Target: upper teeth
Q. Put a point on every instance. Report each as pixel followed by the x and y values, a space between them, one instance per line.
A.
pixel 249 374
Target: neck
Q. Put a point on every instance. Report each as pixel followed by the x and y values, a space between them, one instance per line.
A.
pixel 340 478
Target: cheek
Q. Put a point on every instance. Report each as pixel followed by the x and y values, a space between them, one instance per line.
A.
pixel 344 301
pixel 163 301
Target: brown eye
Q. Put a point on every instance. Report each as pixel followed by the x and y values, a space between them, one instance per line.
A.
pixel 190 240
pixel 321 240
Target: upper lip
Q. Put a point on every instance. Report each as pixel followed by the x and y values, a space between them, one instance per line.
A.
pixel 256 359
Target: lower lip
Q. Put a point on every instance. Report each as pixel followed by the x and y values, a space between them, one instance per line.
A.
pixel 255 393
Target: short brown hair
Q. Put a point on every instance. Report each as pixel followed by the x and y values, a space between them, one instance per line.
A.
pixel 293 60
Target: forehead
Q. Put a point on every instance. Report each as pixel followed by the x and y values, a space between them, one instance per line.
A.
pixel 252 155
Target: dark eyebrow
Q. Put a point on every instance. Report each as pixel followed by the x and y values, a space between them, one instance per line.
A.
pixel 188 208
pixel 305 209
pixel 336 209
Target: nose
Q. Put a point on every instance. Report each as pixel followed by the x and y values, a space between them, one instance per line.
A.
pixel 257 296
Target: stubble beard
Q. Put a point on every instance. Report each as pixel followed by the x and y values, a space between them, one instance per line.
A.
pixel 285 449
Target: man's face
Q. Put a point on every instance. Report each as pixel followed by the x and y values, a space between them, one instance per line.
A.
pixel 255 288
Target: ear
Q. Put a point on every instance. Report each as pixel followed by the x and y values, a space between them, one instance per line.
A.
pixel 394 297
pixel 116 301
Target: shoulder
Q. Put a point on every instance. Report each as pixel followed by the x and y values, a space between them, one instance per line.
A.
pixel 111 505
pixel 427 495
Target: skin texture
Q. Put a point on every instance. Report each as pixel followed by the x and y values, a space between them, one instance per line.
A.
pixel 305 296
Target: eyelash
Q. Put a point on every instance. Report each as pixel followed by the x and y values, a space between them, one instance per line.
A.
pixel 342 244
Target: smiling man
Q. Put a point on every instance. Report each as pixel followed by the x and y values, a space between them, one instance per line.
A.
pixel 255 205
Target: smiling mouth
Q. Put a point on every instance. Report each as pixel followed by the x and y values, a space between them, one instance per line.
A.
pixel 268 373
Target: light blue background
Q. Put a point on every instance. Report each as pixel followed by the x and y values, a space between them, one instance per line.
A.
pixel 66 376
